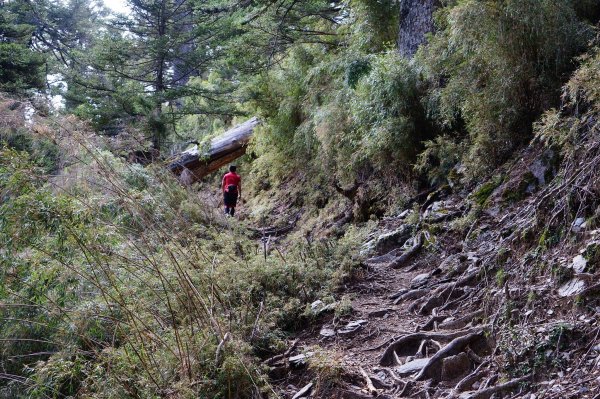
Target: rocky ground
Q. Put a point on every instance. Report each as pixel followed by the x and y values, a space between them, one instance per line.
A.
pixel 486 294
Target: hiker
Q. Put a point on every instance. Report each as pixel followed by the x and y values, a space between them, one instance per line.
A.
pixel 232 190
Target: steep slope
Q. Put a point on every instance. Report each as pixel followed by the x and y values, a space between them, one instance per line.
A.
pixel 477 293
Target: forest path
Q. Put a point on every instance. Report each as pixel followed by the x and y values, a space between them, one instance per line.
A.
pixel 393 298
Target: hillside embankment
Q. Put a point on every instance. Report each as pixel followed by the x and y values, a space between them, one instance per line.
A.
pixel 481 292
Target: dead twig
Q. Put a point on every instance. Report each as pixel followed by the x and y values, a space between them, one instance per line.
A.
pixel 370 387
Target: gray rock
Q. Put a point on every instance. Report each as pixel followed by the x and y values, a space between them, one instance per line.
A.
pixel 303 392
pixel 300 360
pixel 405 213
pixel 419 280
pixel 579 264
pixel 454 367
pixel 352 327
pixel 572 287
pixel 578 225
pixel 327 332
pixel 385 242
pixel 317 305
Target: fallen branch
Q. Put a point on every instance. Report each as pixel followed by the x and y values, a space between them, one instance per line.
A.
pixel 223 149
pixel 272 360
pixel 372 390
pixel 220 349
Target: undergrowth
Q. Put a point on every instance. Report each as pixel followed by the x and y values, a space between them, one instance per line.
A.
pixel 118 282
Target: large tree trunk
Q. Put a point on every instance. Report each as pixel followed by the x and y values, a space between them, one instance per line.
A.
pixel 416 20
pixel 193 164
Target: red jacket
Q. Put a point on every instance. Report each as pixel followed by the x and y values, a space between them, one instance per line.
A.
pixel 232 178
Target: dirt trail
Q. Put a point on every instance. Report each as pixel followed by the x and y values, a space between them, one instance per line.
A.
pixel 437 324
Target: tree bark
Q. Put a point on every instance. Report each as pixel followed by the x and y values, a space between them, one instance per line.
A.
pixel 416 20
pixel 193 164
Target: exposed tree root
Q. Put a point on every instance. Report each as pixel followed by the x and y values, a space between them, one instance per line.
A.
pixel 398 294
pixel 468 381
pixel 469 280
pixel 413 294
pixel 432 323
pixel 406 256
pixel 450 292
pixel 488 392
pixel 433 368
pixel 409 344
pixel 452 304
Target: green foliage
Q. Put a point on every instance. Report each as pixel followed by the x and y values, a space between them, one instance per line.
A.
pixel 388 113
pixel 481 195
pixel 21 68
pixel 356 70
pixel 375 24
pixel 500 64
pixel 106 300
pixel 439 159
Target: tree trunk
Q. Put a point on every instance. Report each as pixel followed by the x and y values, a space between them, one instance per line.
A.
pixel 194 164
pixel 416 20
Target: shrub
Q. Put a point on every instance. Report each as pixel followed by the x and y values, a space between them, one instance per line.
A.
pixel 496 65
pixel 388 113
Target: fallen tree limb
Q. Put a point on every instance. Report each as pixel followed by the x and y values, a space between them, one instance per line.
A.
pixel 193 164
pixel 272 360
pixel 220 349
pixel 370 387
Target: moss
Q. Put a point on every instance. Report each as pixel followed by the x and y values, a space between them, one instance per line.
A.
pixel 500 277
pixel 592 256
pixel 481 195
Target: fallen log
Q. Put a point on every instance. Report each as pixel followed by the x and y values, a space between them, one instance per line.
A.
pixel 193 164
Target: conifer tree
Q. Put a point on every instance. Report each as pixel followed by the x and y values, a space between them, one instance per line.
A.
pixel 21 67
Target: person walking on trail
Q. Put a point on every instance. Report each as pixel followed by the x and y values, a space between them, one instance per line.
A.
pixel 232 190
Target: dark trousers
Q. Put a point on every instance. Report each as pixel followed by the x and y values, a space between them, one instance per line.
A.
pixel 230 201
